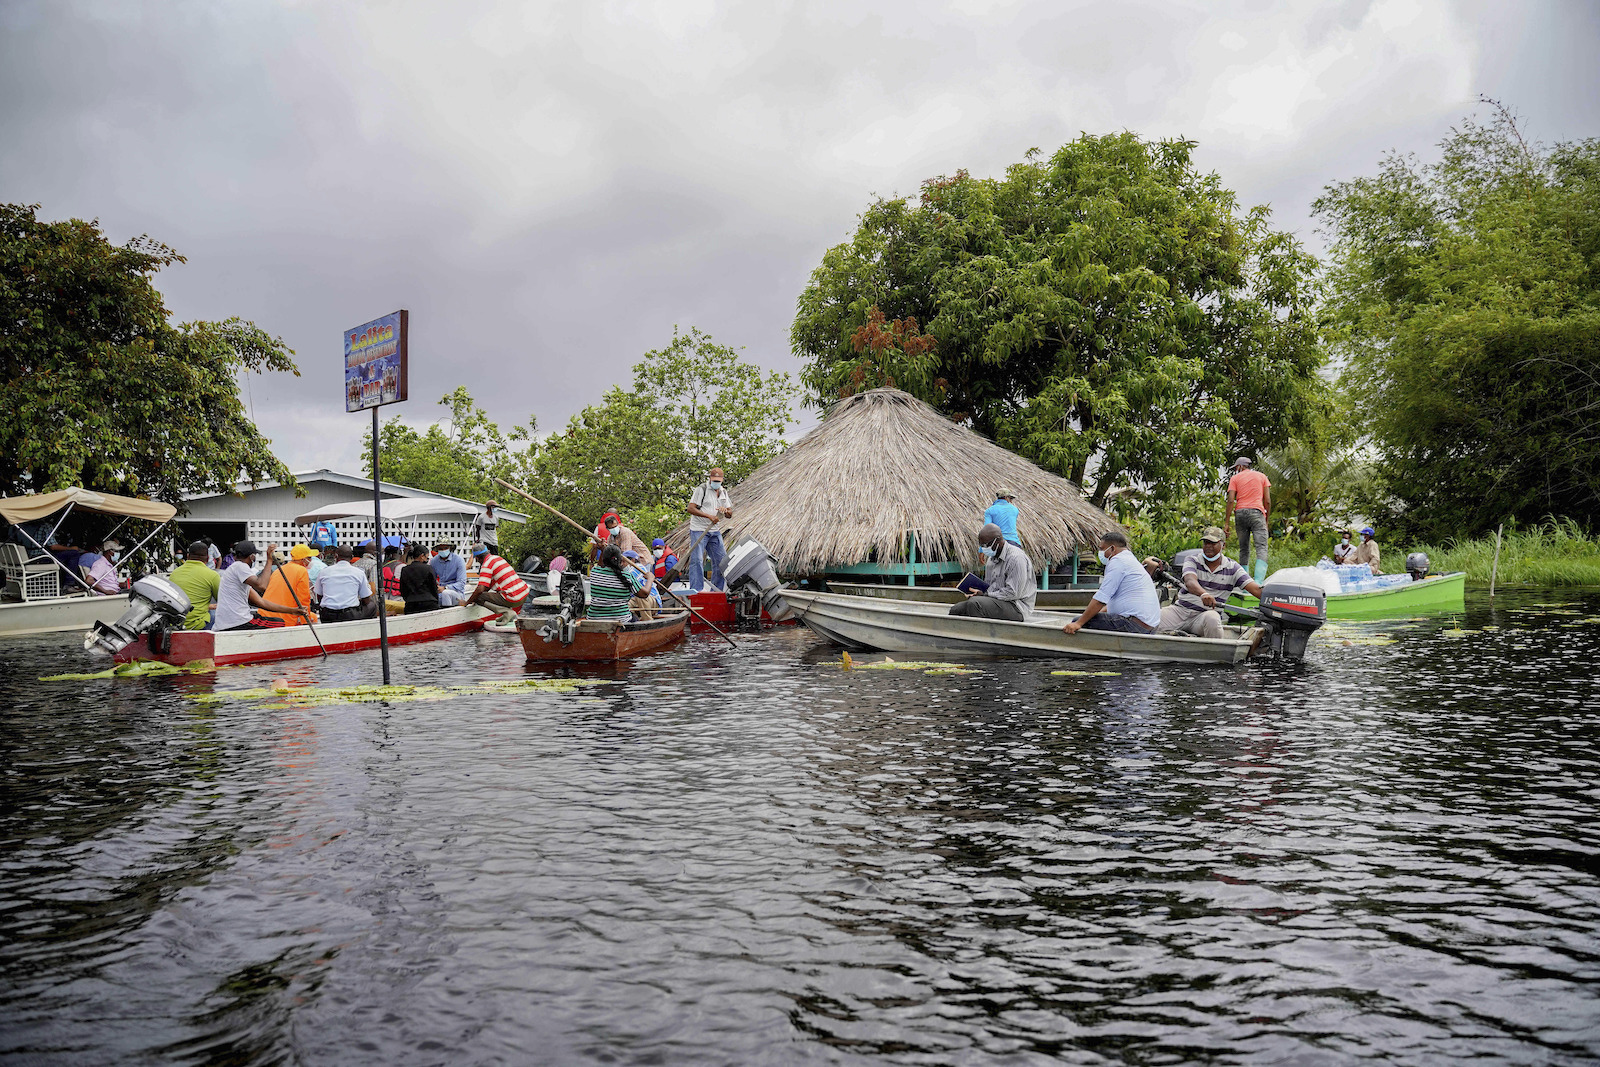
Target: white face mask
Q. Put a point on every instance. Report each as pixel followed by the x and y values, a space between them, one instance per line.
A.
pixel 988 552
pixel 1210 559
pixel 1101 556
pixel 714 484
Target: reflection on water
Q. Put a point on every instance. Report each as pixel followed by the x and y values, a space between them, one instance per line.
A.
pixel 719 856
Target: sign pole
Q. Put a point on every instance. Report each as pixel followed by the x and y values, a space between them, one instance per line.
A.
pixel 377 527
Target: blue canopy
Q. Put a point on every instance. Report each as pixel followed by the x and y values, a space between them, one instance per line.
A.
pixel 388 542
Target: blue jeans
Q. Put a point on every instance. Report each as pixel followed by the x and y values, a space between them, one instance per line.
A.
pixel 1121 623
pixel 712 543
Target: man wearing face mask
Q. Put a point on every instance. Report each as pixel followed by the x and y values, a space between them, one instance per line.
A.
pixel 1342 550
pixel 1209 579
pixel 708 506
pixel 1126 600
pixel 1009 572
pixel 451 570
pixel 611 531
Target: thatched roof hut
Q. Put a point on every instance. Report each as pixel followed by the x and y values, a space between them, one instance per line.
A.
pixel 884 463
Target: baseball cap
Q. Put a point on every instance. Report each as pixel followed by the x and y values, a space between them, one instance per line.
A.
pixel 1369 531
pixel 198 550
pixel 303 551
pixel 1009 494
pixel 1242 461
pixel 243 549
pixel 657 543
pixel 480 550
pixel 1213 533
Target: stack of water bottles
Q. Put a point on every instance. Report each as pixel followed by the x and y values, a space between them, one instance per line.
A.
pixel 1358 577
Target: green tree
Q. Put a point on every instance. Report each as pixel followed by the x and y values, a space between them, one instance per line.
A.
pixel 1107 312
pixel 726 412
pixel 458 456
pixel 104 392
pixel 1465 298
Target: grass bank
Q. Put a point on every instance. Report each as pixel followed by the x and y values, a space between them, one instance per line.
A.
pixel 1553 553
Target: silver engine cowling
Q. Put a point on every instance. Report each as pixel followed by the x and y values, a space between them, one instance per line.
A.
pixel 1417 565
pixel 155 604
pixel 751 565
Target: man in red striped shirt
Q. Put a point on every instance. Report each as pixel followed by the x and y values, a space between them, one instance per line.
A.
pixel 498 585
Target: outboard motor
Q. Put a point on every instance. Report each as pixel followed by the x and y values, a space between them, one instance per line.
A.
pixel 563 626
pixel 751 566
pixel 1417 566
pixel 155 607
pixel 1291 611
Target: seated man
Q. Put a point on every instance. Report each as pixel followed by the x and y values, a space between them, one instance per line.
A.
pixel 611 531
pixel 1342 550
pixel 498 585
pixel 1009 572
pixel 419 587
pixel 291 584
pixel 239 590
pixel 451 571
pixel 100 569
pixel 1208 578
pixel 612 586
pixel 199 583
pixel 342 590
pixel 1367 551
pixel 666 561
pixel 1126 600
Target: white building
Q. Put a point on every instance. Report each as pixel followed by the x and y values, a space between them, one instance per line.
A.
pixel 265 512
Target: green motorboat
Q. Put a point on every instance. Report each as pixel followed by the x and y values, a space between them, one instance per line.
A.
pixel 1437 592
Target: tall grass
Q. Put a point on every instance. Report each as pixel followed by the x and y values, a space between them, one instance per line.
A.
pixel 1556 552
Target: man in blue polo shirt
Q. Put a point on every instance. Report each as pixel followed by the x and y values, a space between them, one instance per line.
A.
pixel 1003 513
pixel 1126 600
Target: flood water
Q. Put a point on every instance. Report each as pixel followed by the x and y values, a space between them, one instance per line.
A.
pixel 1390 853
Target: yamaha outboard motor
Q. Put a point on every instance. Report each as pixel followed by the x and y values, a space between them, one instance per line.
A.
pixel 156 607
pixel 1417 566
pixel 1291 611
pixel 751 566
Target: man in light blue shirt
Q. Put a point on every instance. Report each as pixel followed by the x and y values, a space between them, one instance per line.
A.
pixel 451 570
pixel 1003 513
pixel 1126 600
pixel 343 591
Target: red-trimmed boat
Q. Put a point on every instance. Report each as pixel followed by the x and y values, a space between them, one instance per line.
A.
pixel 297 642
pixel 553 639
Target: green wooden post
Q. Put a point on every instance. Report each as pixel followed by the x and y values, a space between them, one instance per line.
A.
pixel 911 545
pixel 1074 566
pixel 1044 576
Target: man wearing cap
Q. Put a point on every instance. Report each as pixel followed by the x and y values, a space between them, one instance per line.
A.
pixel 199 583
pixel 451 570
pixel 1250 505
pixel 291 583
pixel 1209 579
pixel 1003 513
pixel 498 585
pixel 239 589
pixel 709 504
pixel 485 527
pixel 343 594
pixel 1126 600
pixel 100 569
pixel 612 532
pixel 1367 551
pixel 1009 572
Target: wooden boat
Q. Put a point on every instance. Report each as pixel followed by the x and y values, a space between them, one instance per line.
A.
pixel 1438 592
pixel 859 622
pixel 297 642
pixel 1073 598
pixel 600 640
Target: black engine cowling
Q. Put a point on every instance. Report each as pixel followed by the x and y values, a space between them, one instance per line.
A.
pixel 1291 612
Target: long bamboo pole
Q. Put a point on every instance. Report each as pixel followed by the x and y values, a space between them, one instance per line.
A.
pixel 1494 571
pixel 590 535
pixel 290 585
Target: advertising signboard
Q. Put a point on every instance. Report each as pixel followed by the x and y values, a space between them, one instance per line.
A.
pixel 375 362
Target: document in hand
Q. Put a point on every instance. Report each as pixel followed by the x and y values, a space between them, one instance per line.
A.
pixel 972 584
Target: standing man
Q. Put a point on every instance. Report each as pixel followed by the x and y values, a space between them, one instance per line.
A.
pixel 709 504
pixel 1009 572
pixel 1367 551
pixel 1207 579
pixel 1003 513
pixel 239 589
pixel 451 570
pixel 498 585
pixel 1126 600
pixel 199 583
pixel 342 591
pixel 486 526
pixel 1250 504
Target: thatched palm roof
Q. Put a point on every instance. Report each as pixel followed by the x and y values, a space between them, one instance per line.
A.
pixel 883 463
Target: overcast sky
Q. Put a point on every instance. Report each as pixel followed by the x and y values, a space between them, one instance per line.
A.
pixel 549 188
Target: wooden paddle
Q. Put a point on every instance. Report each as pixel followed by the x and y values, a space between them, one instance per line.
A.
pixel 590 535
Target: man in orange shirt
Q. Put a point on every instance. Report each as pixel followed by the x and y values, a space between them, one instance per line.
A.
pixel 1250 503
pixel 287 576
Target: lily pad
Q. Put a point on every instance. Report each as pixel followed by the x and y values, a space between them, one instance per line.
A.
pixel 1086 674
pixel 315 696
pixel 139 668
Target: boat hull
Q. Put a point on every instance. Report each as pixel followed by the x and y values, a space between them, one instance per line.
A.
pixel 297 642
pixel 59 614
pixel 1075 599
pixel 928 629
pixel 601 641
pixel 1442 592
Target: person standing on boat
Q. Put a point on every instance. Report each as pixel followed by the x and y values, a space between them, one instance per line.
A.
pixel 708 506
pixel 1126 600
pixel 199 583
pixel 1009 572
pixel 1003 513
pixel 486 527
pixel 1250 504
pixel 342 591
pixel 1367 551
pixel 451 571
pixel 239 590
pixel 1208 579
pixel 498 585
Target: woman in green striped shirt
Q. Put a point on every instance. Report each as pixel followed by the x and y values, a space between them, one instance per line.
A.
pixel 612 583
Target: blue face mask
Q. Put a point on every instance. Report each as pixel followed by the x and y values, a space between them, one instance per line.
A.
pixel 1210 559
pixel 1101 556
pixel 444 554
pixel 988 553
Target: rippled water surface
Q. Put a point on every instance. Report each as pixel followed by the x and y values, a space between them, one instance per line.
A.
pixel 1390 853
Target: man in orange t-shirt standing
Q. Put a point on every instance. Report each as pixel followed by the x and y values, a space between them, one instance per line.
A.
pixel 1250 502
